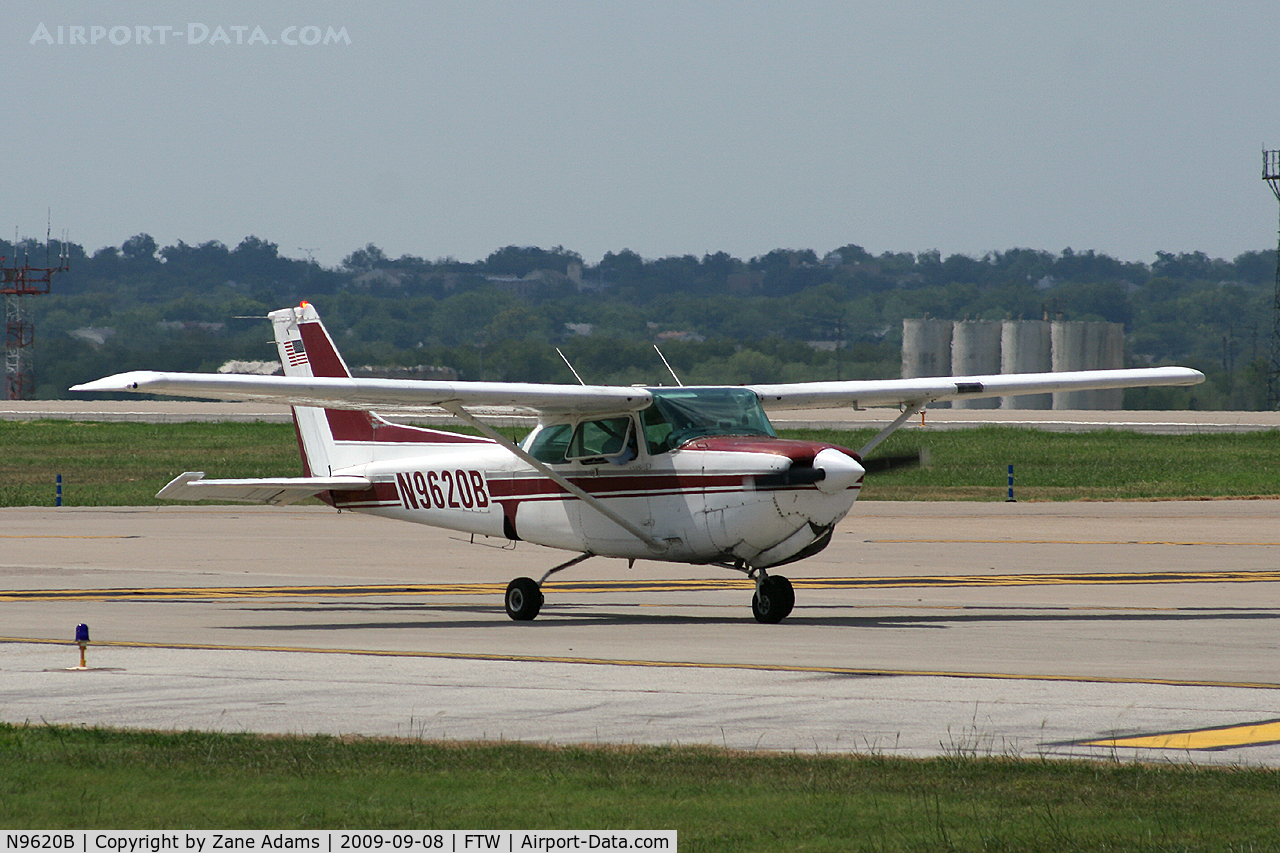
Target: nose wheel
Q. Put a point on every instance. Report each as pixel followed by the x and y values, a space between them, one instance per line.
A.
pixel 773 599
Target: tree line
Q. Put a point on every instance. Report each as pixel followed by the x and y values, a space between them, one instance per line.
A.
pixel 787 315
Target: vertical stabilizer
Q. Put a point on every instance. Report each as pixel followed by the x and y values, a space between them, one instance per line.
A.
pixel 337 439
pixel 315 438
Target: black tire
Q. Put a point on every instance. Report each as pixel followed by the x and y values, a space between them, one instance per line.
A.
pixel 774 600
pixel 786 594
pixel 524 599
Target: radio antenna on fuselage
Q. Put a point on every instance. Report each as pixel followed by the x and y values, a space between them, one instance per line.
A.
pixel 668 364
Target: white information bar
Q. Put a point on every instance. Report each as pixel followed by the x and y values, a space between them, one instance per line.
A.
pixel 335 840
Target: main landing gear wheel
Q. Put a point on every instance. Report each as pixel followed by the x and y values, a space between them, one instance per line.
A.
pixel 524 599
pixel 773 599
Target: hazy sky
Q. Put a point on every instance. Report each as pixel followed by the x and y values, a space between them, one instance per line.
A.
pixel 455 128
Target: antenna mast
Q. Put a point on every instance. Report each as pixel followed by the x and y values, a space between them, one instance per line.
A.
pixel 1271 174
pixel 16 283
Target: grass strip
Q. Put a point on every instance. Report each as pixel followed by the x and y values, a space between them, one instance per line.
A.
pixel 125 464
pixel 972 464
pixel 61 777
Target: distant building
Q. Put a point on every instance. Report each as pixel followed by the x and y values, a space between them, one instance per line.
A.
pixel 254 368
pixel 94 335
pixel 693 337
pixel 982 347
pixel 190 325
pixel 417 371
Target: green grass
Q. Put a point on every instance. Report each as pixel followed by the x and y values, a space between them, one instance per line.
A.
pixel 55 777
pixel 125 464
pixel 972 464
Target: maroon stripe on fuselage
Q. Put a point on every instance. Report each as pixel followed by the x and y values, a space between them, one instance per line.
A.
pixel 509 493
pixel 530 486
pixel 794 449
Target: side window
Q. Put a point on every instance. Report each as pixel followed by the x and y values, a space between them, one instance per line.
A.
pixel 657 431
pixel 550 444
pixel 606 439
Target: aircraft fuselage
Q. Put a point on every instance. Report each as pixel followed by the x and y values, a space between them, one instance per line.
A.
pixel 716 498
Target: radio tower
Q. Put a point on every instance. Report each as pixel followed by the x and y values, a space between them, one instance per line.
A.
pixel 17 283
pixel 1271 174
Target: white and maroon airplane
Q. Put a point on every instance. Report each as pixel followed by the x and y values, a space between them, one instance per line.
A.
pixel 678 474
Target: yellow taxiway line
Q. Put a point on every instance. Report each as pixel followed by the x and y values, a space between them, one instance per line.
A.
pixel 672 664
pixel 675 585
pixel 1223 737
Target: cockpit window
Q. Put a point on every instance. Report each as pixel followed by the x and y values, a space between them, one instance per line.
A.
pixel 682 414
pixel 600 440
pixel 589 442
pixel 678 415
pixel 549 444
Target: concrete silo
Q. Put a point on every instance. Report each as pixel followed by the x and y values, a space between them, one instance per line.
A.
pixel 926 348
pixel 975 351
pixel 1088 346
pixel 1026 346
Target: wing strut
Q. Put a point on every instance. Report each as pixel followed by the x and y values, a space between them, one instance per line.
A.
pixel 910 410
pixel 656 546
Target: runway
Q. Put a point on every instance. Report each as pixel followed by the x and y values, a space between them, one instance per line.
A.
pixel 1130 630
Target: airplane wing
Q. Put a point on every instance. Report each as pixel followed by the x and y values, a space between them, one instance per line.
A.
pixel 932 389
pixel 404 396
pixel 280 491
pixel 413 396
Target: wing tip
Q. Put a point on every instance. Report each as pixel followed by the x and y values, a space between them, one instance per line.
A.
pixel 130 381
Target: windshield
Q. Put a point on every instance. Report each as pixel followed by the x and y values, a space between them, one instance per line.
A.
pixel 682 414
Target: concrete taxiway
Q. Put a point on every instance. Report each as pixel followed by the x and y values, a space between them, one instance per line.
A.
pixel 1131 630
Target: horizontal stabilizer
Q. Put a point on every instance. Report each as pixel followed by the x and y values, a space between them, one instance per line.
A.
pixel 192 486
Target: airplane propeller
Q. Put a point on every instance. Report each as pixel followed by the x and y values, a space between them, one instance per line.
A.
pixel 894 462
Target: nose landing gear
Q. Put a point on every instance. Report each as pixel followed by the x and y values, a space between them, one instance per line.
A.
pixel 773 599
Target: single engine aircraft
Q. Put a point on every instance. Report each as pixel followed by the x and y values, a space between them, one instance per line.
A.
pixel 691 475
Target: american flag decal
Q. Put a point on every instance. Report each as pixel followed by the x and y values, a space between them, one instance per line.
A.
pixel 297 355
